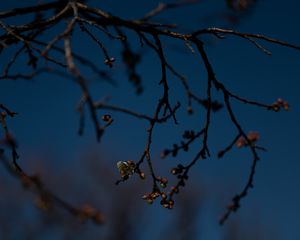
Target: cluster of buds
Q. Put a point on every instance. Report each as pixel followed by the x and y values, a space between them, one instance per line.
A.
pixel 252 137
pixel 165 202
pixel 126 168
pixel 280 103
pixel 162 181
pixel 150 197
pixel 89 212
pixel 182 177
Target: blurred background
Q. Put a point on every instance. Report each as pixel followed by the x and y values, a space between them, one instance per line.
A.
pixel 82 171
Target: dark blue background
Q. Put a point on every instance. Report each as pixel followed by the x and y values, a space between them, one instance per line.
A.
pixel 47 122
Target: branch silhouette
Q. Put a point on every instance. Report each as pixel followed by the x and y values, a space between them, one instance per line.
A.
pixel 61 58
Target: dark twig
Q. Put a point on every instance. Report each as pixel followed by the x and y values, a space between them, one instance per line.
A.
pixel 246 36
pixel 82 83
pixel 222 152
pixel 236 200
pixel 31 9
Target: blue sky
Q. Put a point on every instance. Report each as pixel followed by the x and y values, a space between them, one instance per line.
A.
pixel 47 120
